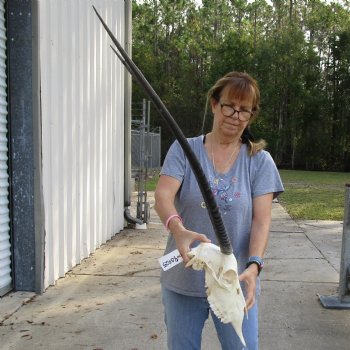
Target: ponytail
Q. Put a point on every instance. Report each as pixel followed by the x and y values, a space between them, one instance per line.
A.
pixel 253 146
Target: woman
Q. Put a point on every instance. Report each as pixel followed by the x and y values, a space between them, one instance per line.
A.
pixel 244 180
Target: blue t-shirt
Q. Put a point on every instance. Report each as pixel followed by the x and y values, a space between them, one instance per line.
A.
pixel 249 177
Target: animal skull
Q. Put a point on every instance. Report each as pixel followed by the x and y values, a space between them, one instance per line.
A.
pixel 224 291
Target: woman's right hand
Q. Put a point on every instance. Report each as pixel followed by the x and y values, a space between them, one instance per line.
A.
pixel 185 238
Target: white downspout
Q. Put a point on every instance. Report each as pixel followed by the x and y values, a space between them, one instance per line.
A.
pixel 127 117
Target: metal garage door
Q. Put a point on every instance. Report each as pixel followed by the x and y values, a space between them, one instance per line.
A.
pixel 5 247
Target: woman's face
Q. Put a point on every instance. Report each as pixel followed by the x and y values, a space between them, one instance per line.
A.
pixel 231 126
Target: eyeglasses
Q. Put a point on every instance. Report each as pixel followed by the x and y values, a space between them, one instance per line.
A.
pixel 229 111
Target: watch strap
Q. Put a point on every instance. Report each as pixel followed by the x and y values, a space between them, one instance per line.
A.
pixel 256 260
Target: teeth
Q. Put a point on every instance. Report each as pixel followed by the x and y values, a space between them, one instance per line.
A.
pixel 224 291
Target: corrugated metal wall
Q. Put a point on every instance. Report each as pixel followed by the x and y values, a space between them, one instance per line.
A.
pixel 5 248
pixel 82 94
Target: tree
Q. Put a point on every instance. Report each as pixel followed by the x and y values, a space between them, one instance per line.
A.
pixel 297 50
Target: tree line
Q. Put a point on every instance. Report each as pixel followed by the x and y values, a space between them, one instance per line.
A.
pixel 297 50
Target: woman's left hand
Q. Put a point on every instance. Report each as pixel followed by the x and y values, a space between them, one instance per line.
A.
pixel 248 277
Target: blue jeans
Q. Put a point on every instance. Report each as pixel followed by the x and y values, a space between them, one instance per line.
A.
pixel 185 317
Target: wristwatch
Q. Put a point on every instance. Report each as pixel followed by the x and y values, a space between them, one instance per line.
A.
pixel 256 260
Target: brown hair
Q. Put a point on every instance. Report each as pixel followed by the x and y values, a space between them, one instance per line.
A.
pixel 241 86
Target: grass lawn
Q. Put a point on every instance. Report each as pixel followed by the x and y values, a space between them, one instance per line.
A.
pixel 309 195
pixel 314 195
pixel 152 181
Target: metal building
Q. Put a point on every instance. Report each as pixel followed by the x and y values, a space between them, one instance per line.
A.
pixel 66 100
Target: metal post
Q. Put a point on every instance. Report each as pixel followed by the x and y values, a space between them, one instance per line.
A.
pixel 342 300
pixel 148 153
pixel 160 146
pixel 344 282
pixel 143 210
pixel 146 207
pixel 144 162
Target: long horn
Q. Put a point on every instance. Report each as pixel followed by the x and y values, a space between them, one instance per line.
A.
pixel 213 210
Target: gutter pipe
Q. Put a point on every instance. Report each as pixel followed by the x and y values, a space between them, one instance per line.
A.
pixel 127 119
